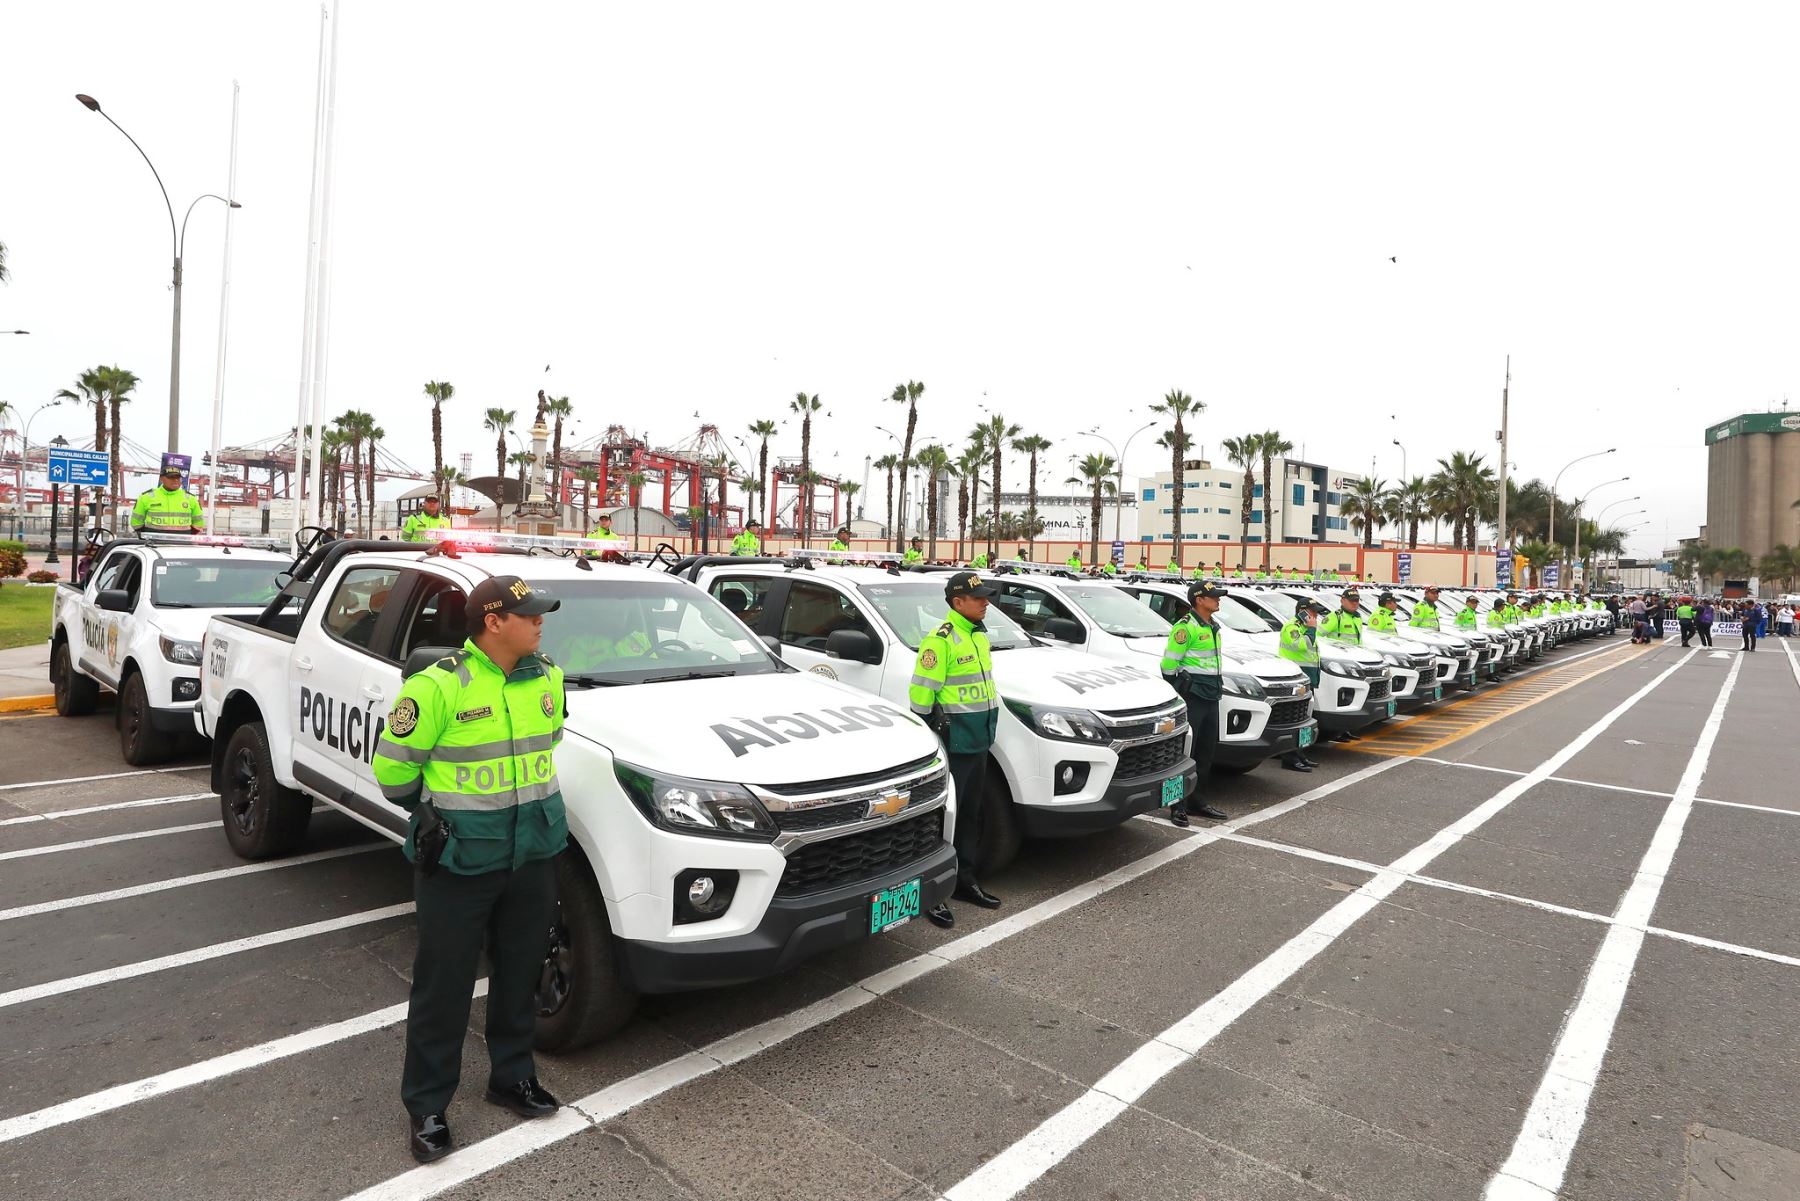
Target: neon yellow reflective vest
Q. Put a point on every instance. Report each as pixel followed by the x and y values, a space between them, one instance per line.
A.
pixel 1342 626
pixel 746 543
pixel 418 523
pixel 1108 568
pixel 604 534
pixel 837 544
pixel 979 561
pixel 1425 616
pixel 1190 658
pixel 1466 618
pixel 955 673
pixel 1381 619
pixel 914 555
pixel 1073 562
pixel 482 748
pixel 1300 644
pixel 161 511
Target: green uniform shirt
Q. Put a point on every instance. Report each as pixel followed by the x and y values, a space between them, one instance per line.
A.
pixel 1190 659
pixel 914 555
pixel 1381 620
pixel 837 544
pixel 481 747
pixel 1073 563
pixel 162 511
pixel 1684 612
pixel 746 543
pixel 1425 616
pixel 1466 619
pixel 1300 644
pixel 1342 626
pixel 979 561
pixel 1108 568
pixel 418 523
pixel 954 673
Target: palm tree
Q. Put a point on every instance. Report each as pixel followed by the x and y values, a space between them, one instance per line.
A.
pixel 721 463
pixel 1465 486
pixel 887 463
pixel 1031 446
pixel 118 384
pixel 1365 505
pixel 560 408
pixel 849 489
pixel 331 463
pixel 1272 446
pixel 907 394
pixel 1780 566
pixel 636 480
pixel 439 391
pixel 934 461
pixel 1534 554
pixel 969 465
pixel 589 476
pixel 806 406
pixel 1243 452
pixel 522 459
pixel 499 420
pixel 1179 405
pixel 1095 471
pixel 351 424
pixel 752 491
pixel 1414 505
pixel 762 431
pixel 90 388
pixel 999 433
pixel 374 433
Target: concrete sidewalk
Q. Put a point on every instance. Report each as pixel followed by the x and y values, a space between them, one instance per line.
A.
pixel 25 672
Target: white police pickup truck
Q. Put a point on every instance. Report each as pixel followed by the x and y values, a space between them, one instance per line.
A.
pixel 1266 707
pixel 1080 747
pixel 729 816
pixel 136 627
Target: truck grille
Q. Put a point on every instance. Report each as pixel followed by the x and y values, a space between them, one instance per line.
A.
pixel 836 862
pixel 1290 713
pixel 853 808
pixel 1378 690
pixel 1141 723
pixel 1151 759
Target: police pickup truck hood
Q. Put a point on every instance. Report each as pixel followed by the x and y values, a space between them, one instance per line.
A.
pixel 189 625
pixel 1050 675
pixel 791 728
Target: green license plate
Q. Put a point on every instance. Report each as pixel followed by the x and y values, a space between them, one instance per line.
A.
pixel 1306 737
pixel 893 906
pixel 1172 791
pixel 1437 694
pixel 1390 708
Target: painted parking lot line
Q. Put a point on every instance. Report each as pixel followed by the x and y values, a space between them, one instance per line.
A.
pixel 1540 1155
pixel 113 775
pixel 1649 792
pixel 225 873
pixel 82 844
pixel 1025 1161
pixel 51 815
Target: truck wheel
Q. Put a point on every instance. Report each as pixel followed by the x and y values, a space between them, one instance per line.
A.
pixel 140 742
pixel 262 819
pixel 1000 832
pixel 580 997
pixel 76 695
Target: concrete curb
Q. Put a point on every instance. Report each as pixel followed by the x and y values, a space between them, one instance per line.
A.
pixel 26 704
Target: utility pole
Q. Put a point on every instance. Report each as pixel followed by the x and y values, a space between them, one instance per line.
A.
pixel 1500 528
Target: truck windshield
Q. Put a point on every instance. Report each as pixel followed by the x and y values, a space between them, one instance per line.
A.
pixel 911 608
pixel 1116 612
pixel 1234 614
pixel 640 631
pixel 221 583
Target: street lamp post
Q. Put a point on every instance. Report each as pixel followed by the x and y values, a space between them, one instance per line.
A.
pixel 1404 474
pixel 178 242
pixel 1581 504
pixel 25 463
pixel 1553 487
pixel 1119 469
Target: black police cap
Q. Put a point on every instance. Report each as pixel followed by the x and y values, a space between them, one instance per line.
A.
pixel 1206 589
pixel 967 583
pixel 509 594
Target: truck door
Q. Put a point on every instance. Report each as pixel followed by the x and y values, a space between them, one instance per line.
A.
pixel 336 681
pixel 103 633
pixel 811 613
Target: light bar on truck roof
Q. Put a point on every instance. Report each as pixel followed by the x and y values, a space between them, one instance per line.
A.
pixel 275 544
pixel 476 541
pixel 851 557
pixel 1026 565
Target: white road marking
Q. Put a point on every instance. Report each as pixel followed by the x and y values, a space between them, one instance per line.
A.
pixel 1787 644
pixel 1699 800
pixel 51 815
pixel 112 775
pixel 104 840
pixel 1541 1152
pixel 218 950
pixel 224 873
pixel 1719 655
pixel 1025 1161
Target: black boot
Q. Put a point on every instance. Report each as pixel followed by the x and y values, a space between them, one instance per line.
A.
pixel 1178 814
pixel 430 1139
pixel 940 915
pixel 968 889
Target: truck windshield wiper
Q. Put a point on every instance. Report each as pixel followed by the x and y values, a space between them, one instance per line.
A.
pixel 688 675
pixel 593 681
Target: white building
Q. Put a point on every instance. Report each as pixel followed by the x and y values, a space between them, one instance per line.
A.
pixel 1307 507
pixel 1067 516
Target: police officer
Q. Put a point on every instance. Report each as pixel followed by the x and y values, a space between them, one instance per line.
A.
pixel 1469 615
pixel 1073 562
pixel 469 751
pixel 915 553
pixel 1109 568
pixel 748 542
pixel 1381 621
pixel 427 519
pixel 1190 663
pixel 604 531
pixel 1300 646
pixel 1684 613
pixel 1425 613
pixel 1346 624
pixel 953 690
pixel 1143 564
pixel 980 561
pixel 842 541
pixel 168 508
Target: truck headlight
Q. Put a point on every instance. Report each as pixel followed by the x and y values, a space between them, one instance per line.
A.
pixel 180 652
pixel 1397 658
pixel 695 806
pixel 1066 725
pixel 1341 667
pixel 1242 684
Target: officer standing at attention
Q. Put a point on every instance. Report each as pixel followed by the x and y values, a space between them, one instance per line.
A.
pixel 1190 663
pixel 604 531
pixel 1382 619
pixel 748 543
pixel 916 552
pixel 168 508
pixel 953 690
pixel 1300 646
pixel 427 519
pixel 1469 615
pixel 842 541
pixel 1425 613
pixel 1073 562
pixel 469 751
pixel 1345 625
pixel 1684 613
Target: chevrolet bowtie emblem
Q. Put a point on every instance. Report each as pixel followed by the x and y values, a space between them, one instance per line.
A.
pixel 889 803
pixel 1165 725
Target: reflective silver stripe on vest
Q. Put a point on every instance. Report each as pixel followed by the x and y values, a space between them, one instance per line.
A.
pixel 967 706
pixel 399 792
pixel 492 801
pixel 919 681
pixel 480 752
pixel 387 748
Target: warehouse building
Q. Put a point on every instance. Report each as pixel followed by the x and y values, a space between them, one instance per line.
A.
pixel 1753 482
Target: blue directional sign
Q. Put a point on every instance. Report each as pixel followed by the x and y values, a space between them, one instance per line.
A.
pixel 1503 568
pixel 1403 562
pixel 83 468
pixel 1552 574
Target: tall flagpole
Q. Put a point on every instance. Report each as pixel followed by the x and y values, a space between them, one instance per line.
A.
pixel 218 428
pixel 322 313
pixel 297 490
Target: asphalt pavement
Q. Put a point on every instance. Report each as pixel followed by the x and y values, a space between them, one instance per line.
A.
pixel 1556 957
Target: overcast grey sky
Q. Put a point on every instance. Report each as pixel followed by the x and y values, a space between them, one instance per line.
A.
pixel 1069 209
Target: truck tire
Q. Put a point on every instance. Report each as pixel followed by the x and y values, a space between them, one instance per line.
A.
pixel 76 694
pixel 1000 831
pixel 263 820
pixel 140 743
pixel 581 998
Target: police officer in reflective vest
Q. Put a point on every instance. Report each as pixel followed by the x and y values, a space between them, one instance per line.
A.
pixel 953 690
pixel 469 750
pixel 604 531
pixel 1469 615
pixel 427 519
pixel 842 541
pixel 748 543
pixel 1300 646
pixel 1345 625
pixel 1190 663
pixel 1425 613
pixel 916 552
pixel 980 561
pixel 168 508
pixel 1382 619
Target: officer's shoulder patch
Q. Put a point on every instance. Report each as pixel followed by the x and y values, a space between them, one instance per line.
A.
pixel 1181 633
pixel 405 717
pixel 452 661
pixel 549 704
pixel 928 659
pixel 946 630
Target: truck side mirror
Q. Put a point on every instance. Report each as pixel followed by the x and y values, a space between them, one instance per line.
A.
pixel 114 600
pixel 1064 629
pixel 854 646
pixel 773 643
pixel 422 658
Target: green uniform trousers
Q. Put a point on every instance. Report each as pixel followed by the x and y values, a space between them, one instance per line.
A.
pixel 509 911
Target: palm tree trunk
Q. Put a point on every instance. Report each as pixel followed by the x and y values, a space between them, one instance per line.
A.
pixel 994 533
pixel 1094 527
pixel 437 447
pixel 118 483
pixel 803 504
pixel 371 515
pixel 762 477
pixel 1268 512
pixel 962 517
pixel 1177 488
pixel 1244 537
pixel 1031 497
pixel 890 501
pixel 912 423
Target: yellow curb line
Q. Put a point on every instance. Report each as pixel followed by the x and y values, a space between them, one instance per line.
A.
pixel 26 704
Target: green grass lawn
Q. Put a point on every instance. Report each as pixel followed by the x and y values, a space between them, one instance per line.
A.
pixel 24 614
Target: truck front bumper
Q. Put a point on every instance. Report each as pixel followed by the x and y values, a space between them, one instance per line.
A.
pixel 1122 801
pixel 1275 740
